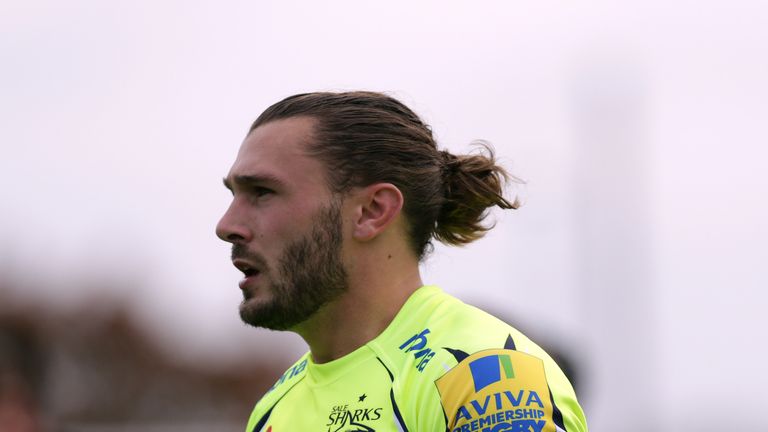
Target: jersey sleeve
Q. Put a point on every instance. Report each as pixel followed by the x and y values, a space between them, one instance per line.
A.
pixel 507 390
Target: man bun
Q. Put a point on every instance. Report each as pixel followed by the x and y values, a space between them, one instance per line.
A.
pixel 472 184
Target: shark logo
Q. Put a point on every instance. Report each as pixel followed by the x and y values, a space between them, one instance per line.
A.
pixel 343 419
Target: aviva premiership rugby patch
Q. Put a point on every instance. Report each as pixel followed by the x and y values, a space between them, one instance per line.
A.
pixel 497 390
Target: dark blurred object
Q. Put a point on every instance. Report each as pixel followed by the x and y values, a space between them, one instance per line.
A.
pixel 20 379
pixel 93 369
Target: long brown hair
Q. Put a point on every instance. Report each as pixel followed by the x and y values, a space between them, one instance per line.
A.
pixel 367 137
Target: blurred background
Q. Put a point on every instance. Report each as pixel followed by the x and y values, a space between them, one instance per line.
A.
pixel 638 257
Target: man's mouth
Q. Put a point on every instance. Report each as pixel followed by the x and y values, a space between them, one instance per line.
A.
pixel 250 272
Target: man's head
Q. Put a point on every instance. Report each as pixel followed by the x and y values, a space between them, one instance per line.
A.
pixel 303 159
pixel 364 138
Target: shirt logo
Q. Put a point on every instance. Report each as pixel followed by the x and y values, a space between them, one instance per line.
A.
pixel 290 373
pixel 418 344
pixel 344 419
pixel 497 390
pixel 487 370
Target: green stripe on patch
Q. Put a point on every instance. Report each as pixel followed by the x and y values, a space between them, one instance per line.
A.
pixel 506 363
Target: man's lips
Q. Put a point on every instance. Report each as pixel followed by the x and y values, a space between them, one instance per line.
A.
pixel 250 271
pixel 248 280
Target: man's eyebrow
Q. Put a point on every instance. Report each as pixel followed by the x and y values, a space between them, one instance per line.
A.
pixel 251 179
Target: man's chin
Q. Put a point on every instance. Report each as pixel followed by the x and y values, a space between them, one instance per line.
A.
pixel 266 315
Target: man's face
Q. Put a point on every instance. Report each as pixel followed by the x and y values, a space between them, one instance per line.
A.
pixel 285 227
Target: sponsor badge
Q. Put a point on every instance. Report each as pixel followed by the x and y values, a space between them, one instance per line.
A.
pixel 497 390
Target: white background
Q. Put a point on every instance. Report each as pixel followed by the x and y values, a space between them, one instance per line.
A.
pixel 639 127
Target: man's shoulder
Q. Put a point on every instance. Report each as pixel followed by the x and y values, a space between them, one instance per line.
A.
pixel 451 323
pixel 476 361
pixel 440 331
pixel 463 335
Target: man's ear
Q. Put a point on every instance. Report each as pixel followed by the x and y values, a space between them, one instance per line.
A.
pixel 380 203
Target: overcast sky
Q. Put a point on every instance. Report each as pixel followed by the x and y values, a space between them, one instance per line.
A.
pixel 639 128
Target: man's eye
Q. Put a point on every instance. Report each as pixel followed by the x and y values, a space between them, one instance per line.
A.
pixel 261 191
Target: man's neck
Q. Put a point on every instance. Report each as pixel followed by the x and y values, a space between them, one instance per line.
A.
pixel 360 315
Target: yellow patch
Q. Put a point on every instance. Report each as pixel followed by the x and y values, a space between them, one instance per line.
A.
pixel 497 390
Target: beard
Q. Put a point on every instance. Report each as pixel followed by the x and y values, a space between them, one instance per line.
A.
pixel 310 274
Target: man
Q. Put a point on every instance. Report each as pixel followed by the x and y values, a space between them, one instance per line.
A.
pixel 336 199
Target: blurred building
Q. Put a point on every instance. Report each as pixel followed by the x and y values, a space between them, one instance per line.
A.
pixel 93 369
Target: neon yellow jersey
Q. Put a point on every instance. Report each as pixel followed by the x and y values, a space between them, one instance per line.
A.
pixel 441 365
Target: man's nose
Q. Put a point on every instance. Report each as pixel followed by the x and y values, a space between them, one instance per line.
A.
pixel 231 227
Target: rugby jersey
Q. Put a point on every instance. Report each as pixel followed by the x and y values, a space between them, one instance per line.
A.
pixel 440 365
